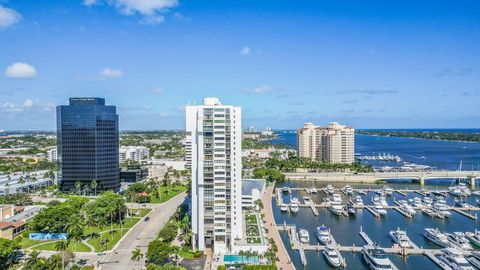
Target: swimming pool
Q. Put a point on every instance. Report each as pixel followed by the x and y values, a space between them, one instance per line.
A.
pixel 236 259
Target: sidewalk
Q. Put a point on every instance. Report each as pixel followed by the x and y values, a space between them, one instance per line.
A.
pixel 284 262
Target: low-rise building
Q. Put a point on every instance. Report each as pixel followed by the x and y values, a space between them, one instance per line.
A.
pixel 267 153
pixel 133 174
pixel 252 190
pixel 135 153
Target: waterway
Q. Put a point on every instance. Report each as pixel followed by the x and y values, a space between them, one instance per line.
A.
pixel 439 154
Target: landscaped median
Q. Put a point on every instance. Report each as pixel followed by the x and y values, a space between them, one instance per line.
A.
pixel 90 227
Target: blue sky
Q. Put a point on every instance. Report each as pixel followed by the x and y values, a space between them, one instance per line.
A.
pixel 370 64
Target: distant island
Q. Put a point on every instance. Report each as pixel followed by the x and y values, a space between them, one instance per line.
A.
pixel 429 135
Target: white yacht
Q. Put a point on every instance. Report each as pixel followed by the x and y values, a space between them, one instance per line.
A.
pixel 409 209
pixel 357 200
pixel 294 207
pixel 294 200
pixel 336 208
pixel 441 210
pixel 458 239
pixel 427 200
pixel 436 236
pixel 348 189
pixel 417 202
pixel 440 199
pixel 455 259
pixel 313 190
pixel 323 235
pixel 455 191
pixel 307 200
pixel 383 201
pixel 474 237
pixel 474 259
pixel 400 237
pixel 387 190
pixel 464 189
pixel 333 256
pixel 379 209
pixel 376 259
pixel 284 207
pixel 286 189
pixel 376 200
pixel 329 189
pixel 462 204
pixel 303 236
pixel 337 198
pixel 429 212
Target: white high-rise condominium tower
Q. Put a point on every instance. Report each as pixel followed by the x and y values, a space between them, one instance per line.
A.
pixel 335 143
pixel 215 154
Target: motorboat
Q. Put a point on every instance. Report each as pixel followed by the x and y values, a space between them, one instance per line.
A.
pixel 284 207
pixel 294 207
pixel 459 240
pixel 350 209
pixel 285 189
pixel 474 237
pixel 429 212
pixel 303 236
pixel 427 200
pixel 383 201
pixel 417 202
pixel 313 190
pixel 307 190
pixel 455 191
pixel 387 190
pixel 441 210
pixel 400 237
pixel 376 258
pixel 376 200
pixel 323 235
pixel 336 208
pixel 436 236
pixel 462 204
pixel 307 200
pixel 379 209
pixel 348 189
pixel 409 209
pixel 333 256
pixel 474 259
pixel 455 259
pixel 329 189
pixel 464 189
pixel 357 200
pixel 336 198
pixel 439 199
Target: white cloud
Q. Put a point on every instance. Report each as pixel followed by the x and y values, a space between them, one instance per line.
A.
pixel 8 17
pixel 20 71
pixel 245 51
pixel 262 90
pixel 28 103
pixel 158 91
pixel 149 9
pixel 108 73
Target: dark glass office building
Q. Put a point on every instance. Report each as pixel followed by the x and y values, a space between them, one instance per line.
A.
pixel 87 141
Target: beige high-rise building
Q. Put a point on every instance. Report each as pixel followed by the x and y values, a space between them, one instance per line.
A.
pixel 334 144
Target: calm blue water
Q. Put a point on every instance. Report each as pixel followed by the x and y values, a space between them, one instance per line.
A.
pixel 439 154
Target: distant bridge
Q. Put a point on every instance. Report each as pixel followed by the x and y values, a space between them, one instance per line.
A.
pixel 420 176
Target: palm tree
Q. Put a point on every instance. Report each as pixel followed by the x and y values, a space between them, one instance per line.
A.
pixel 74 229
pixel 137 255
pixel 32 260
pixel 78 186
pixel 62 246
pixel 93 185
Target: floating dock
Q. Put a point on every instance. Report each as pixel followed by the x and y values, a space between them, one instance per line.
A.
pixel 469 215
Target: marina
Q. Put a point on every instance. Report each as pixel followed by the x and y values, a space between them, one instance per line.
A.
pixel 317 211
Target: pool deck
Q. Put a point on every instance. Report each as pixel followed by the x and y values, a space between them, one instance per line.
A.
pixel 284 262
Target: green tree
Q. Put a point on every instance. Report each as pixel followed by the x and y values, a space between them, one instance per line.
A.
pixel 93 185
pixel 137 255
pixel 158 251
pixel 78 186
pixel 32 260
pixel 62 246
pixel 8 250
pixel 75 230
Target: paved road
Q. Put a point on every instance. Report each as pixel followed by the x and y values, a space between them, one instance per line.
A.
pixel 142 234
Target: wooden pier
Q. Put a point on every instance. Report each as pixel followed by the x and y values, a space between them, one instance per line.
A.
pixel 401 211
pixel 469 215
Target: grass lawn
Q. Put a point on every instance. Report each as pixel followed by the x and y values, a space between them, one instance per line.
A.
pixel 168 192
pixel 106 235
pixel 139 212
pixel 51 246
pixel 127 223
pixel 251 219
pixel 26 242
pixel 188 254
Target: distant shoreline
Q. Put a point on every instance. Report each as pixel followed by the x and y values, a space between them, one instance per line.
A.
pixel 416 138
